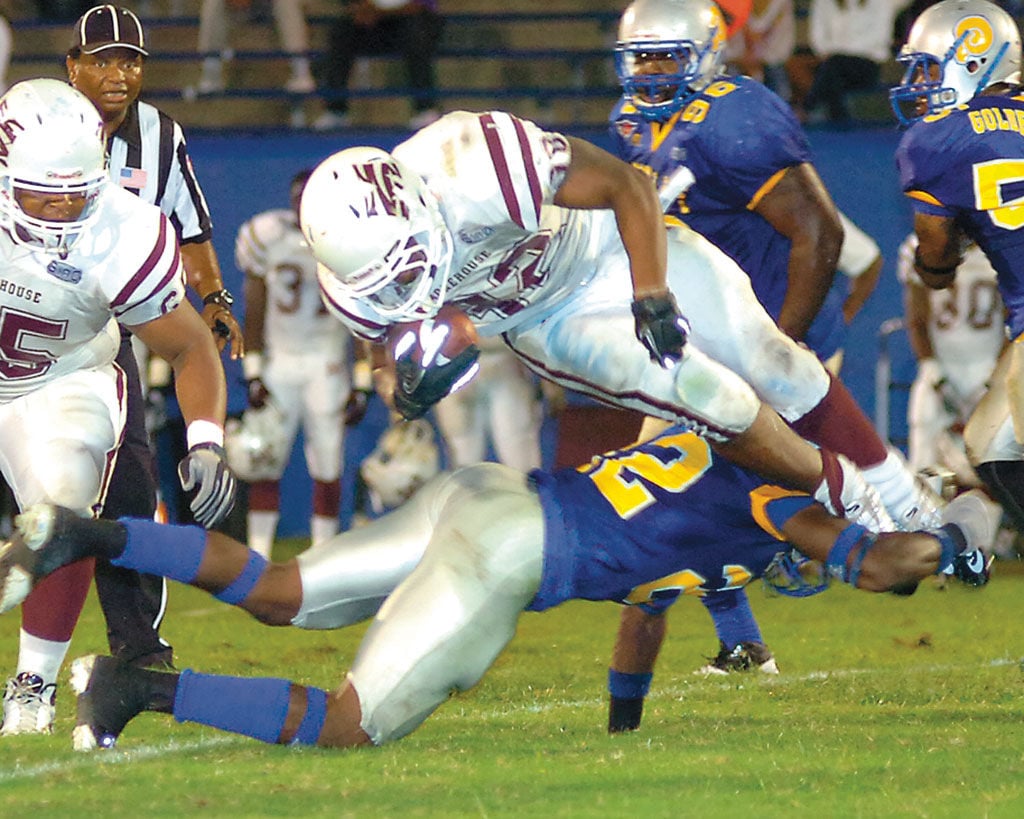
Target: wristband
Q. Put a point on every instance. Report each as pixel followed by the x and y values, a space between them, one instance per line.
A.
pixel 934 271
pixel 222 298
pixel 362 376
pixel 252 365
pixel 204 432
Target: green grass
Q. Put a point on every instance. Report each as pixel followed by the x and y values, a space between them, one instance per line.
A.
pixel 886 707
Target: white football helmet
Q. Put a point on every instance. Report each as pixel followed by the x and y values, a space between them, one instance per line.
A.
pixel 372 222
pixel 955 50
pixel 691 33
pixel 51 142
pixel 406 457
pixel 256 448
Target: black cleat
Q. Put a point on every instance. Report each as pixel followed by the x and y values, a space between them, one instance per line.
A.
pixel 747 656
pixel 110 694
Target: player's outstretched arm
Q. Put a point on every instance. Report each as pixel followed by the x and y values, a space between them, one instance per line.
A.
pixel 897 561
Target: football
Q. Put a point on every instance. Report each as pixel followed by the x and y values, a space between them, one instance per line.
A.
pixel 451 329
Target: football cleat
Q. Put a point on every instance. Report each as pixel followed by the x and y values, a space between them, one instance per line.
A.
pixel 972 515
pixel 746 656
pixel 29 705
pixel 110 694
pixel 844 493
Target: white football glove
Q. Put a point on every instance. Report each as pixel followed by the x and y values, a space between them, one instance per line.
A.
pixel 205 469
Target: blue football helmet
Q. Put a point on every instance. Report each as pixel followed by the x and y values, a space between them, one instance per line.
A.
pixel 955 50
pixel 689 33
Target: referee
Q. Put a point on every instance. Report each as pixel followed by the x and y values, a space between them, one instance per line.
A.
pixel 148 156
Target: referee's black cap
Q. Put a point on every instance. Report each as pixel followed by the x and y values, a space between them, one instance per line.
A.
pixel 107 26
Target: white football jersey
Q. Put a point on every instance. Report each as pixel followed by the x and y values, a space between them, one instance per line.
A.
pixel 59 315
pixel 271 246
pixel 515 255
pixel 967 319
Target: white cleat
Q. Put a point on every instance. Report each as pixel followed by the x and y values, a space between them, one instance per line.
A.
pixel 858 501
pixel 29 705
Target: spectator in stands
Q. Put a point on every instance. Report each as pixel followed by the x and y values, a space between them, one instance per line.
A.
pixel 766 42
pixel 411 28
pixel 850 39
pixel 213 43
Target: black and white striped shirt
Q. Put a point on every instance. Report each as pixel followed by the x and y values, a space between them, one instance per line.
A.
pixel 148 157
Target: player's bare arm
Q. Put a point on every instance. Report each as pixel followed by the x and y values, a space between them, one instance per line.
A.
pixel 203 272
pixel 799 207
pixel 255 315
pixel 939 249
pixel 598 180
pixel 182 338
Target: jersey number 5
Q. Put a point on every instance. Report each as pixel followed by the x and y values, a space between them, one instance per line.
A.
pixel 992 191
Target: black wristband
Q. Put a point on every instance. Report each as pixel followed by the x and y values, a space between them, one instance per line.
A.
pixel 222 298
pixel 934 271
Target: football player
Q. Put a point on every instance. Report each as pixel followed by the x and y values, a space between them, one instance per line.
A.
pixel 754 193
pixel 958 163
pixel 500 407
pixel 81 255
pixel 465 556
pixel 297 359
pixel 560 247
pixel 957 335
pixel 734 165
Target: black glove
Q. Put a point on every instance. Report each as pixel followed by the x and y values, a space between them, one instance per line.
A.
pixel 660 328
pixel 205 469
pixel 258 393
pixel 356 406
pixel 417 389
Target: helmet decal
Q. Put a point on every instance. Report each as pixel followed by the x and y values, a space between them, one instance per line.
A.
pixel 975 36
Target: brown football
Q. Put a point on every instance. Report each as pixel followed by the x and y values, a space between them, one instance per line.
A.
pixel 461 333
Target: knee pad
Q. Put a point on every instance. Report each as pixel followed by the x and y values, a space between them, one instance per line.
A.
pixel 69 474
pixel 715 394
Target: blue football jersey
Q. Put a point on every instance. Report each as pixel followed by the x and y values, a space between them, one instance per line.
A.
pixel 737 138
pixel 968 163
pixel 655 521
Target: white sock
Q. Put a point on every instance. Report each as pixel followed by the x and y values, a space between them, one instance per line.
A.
pixel 322 528
pixel 42 657
pixel 896 485
pixel 300 67
pixel 262 526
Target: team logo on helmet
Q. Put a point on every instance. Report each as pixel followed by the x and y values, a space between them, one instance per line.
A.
pixel 975 35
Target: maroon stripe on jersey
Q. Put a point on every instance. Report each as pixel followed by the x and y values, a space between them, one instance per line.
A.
pixel 531 172
pixel 172 272
pixel 631 399
pixel 508 190
pixel 147 267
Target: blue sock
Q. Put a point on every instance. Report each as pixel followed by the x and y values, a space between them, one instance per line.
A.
pixel 628 686
pixel 255 707
pixel 166 550
pixel 734 621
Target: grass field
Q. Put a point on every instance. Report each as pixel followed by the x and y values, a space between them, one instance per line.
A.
pixel 886 707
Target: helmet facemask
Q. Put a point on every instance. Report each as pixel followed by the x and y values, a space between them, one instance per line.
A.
pixel 658 96
pixel 48 235
pixel 682 40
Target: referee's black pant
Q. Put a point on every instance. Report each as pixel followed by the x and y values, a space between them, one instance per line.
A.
pixel 133 604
